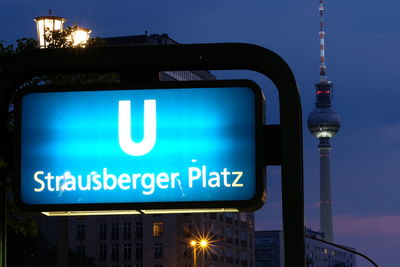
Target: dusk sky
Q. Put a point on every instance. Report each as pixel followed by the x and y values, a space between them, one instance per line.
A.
pixel 363 62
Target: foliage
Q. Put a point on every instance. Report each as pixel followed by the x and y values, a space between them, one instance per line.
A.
pixel 59 40
pixel 23 44
pixel 6 50
pixel 22 222
pixel 29 251
pixel 36 251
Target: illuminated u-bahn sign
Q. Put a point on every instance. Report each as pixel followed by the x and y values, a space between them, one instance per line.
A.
pixel 154 147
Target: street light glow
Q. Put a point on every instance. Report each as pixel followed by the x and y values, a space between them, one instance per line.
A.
pixel 80 36
pixel 203 243
pixel 46 25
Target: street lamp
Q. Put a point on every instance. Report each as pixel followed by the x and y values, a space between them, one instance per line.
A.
pixel 80 36
pixel 203 244
pixel 193 244
pixel 46 24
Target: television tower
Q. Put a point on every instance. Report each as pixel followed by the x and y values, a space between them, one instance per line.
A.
pixel 323 122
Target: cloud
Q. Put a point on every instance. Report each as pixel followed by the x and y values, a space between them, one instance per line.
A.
pixel 391 132
pixel 345 225
pixel 388 35
pixel 378 237
pixel 368 226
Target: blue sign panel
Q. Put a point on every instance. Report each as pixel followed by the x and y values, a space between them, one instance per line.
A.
pixel 138 145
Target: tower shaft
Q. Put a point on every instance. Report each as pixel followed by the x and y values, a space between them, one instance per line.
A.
pixel 323 122
pixel 325 203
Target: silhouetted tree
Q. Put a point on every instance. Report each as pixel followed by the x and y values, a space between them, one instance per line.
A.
pixel 26 245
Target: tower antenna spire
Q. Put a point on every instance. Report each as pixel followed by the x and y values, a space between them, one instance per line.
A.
pixel 323 122
pixel 322 67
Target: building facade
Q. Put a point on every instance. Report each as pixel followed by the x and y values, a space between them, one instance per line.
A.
pixel 269 252
pixel 163 240
pixel 269 248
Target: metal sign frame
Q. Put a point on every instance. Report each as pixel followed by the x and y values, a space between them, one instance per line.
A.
pixel 252 204
pixel 230 56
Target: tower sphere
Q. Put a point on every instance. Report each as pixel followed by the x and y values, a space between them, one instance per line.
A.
pixel 323 122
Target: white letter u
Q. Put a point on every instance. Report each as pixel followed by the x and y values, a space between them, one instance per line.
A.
pixel 124 128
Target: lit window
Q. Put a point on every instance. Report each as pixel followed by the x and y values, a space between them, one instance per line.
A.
pixel 187 229
pixel 158 229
